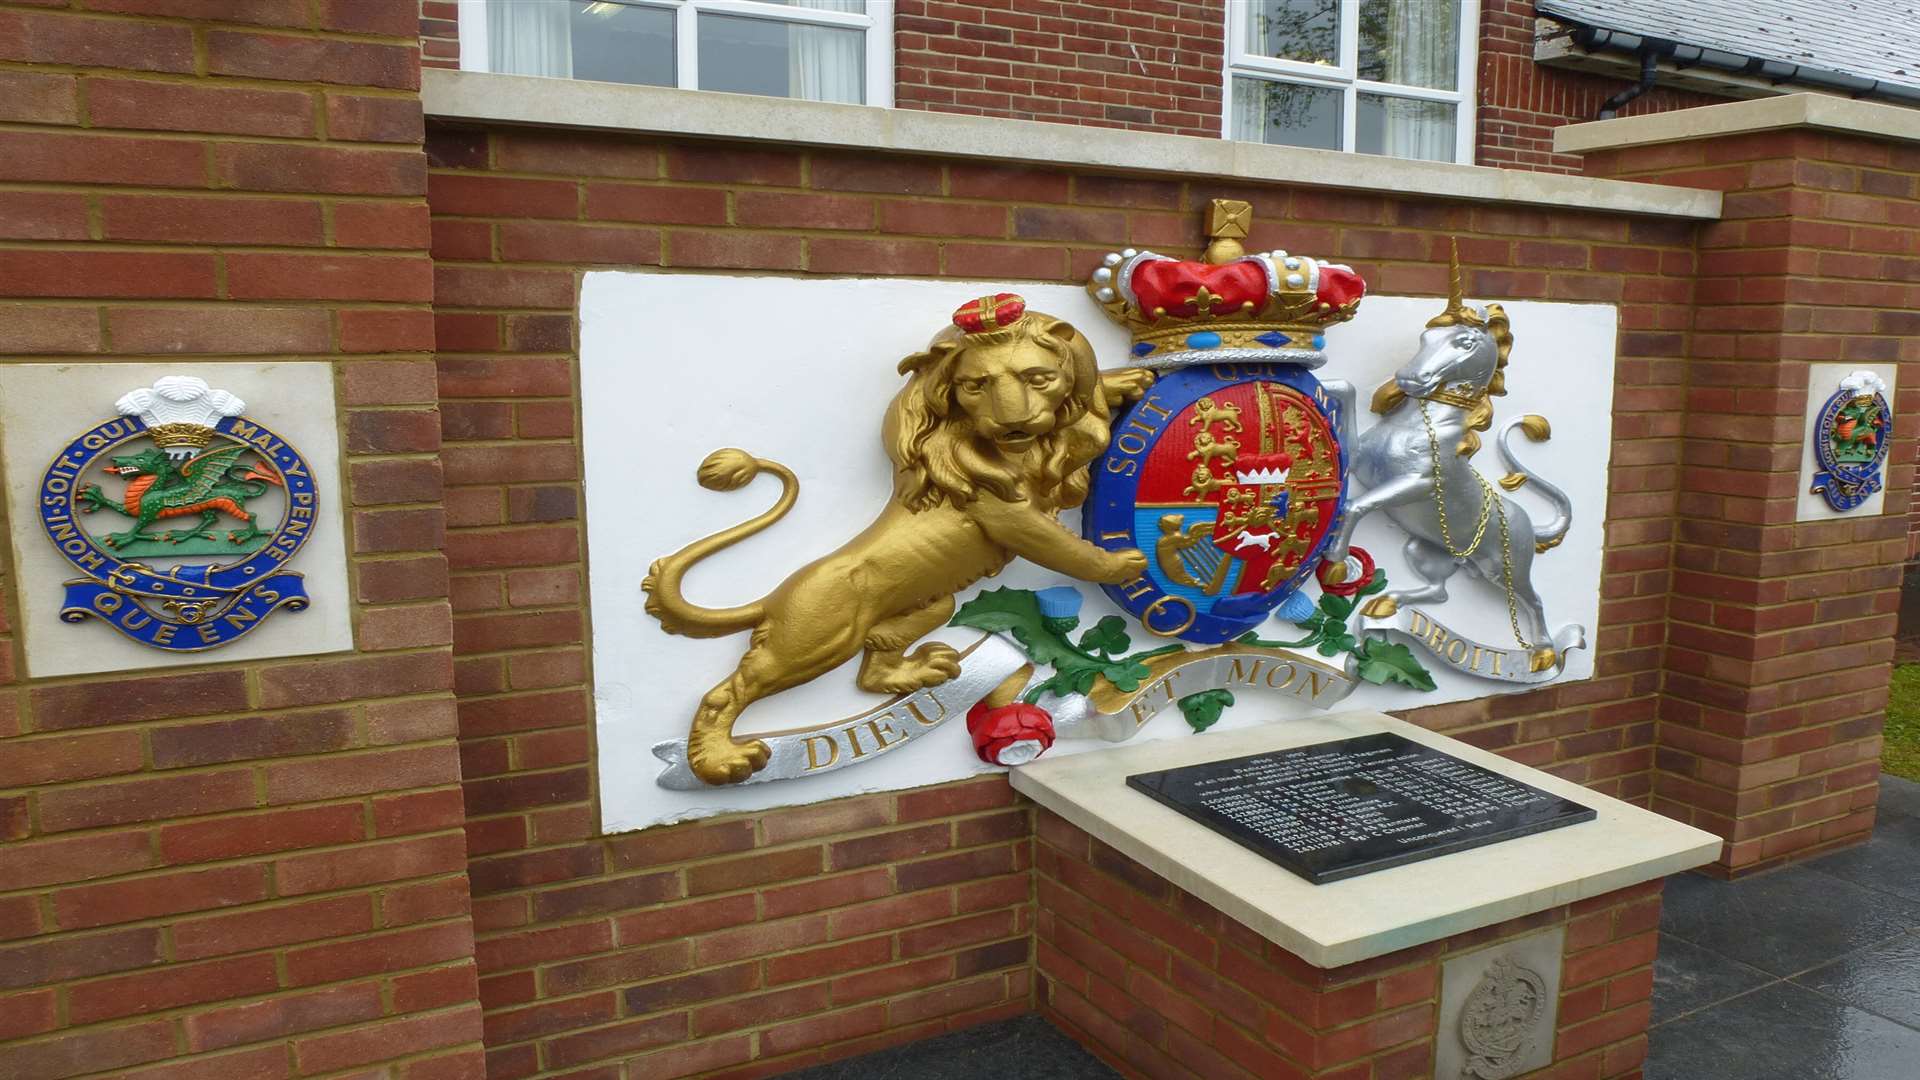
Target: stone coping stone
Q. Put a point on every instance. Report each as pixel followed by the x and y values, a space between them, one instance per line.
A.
pixel 572 103
pixel 1347 921
pixel 1865 119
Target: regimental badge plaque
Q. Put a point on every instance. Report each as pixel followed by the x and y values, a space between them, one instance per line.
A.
pixel 1850 441
pixel 1339 809
pixel 182 516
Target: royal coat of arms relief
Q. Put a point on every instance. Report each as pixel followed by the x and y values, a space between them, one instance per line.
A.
pixel 1218 470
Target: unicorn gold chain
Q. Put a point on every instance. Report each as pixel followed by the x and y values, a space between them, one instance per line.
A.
pixel 1439 495
pixel 1489 504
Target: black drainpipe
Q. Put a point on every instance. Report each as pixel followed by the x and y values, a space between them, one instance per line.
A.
pixel 1649 67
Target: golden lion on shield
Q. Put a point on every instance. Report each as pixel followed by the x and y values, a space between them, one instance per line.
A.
pixel 990 439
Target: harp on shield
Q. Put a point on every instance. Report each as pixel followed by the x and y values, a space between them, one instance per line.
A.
pixel 1189 556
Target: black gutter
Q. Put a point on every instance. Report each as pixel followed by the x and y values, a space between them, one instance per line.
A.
pixel 1650 50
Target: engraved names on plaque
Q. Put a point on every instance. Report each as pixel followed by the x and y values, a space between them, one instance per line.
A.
pixel 1338 809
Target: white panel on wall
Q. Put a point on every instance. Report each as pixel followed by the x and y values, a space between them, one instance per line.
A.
pixel 674 366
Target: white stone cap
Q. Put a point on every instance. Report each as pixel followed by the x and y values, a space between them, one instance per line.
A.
pixel 1869 119
pixel 1372 914
pixel 572 103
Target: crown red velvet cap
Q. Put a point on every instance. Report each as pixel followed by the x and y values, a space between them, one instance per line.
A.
pixel 1339 286
pixel 990 312
pixel 1170 287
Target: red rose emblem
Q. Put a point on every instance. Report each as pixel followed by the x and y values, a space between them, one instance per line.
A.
pixel 1353 582
pixel 1011 734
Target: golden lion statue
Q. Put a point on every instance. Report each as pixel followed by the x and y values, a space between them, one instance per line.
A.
pixel 990 439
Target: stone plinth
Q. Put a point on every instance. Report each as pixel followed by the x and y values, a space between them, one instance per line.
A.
pixel 1175 952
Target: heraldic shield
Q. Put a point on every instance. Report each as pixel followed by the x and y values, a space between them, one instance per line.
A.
pixel 1230 472
pixel 1231 477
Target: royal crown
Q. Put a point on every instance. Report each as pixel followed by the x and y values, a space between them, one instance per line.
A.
pixel 989 313
pixel 1272 307
pixel 180 412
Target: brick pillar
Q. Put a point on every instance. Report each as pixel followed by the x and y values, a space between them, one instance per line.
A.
pixel 1781 631
pixel 241 869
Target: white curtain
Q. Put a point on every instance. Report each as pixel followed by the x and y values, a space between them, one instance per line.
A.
pixel 1257 21
pixel 823 62
pixel 530 37
pixel 1249 110
pixel 1423 49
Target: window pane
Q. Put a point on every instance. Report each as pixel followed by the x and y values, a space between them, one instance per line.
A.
pixel 782 59
pixel 1291 114
pixel 1410 42
pixel 851 7
pixel 580 39
pixel 1304 30
pixel 1404 127
pixel 617 43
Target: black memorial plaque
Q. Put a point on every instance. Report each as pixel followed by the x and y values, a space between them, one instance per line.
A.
pixel 1339 809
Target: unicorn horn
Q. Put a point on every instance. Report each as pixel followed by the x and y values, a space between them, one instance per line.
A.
pixel 1457 310
pixel 1456 297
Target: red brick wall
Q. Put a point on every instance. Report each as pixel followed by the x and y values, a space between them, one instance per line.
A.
pixel 924 890
pixel 1160 984
pixel 1522 102
pixel 440 33
pixel 1147 65
pixel 1781 631
pixel 236 870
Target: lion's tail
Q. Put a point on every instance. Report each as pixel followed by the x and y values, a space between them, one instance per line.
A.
pixel 723 470
pixel 1536 429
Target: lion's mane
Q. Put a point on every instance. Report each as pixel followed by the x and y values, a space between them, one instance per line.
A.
pixel 938 458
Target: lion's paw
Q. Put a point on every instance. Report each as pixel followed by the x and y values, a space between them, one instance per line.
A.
pixel 717 759
pixel 1123 567
pixel 929 665
pixel 1127 384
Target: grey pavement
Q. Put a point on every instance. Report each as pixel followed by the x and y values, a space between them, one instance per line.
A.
pixel 1806 973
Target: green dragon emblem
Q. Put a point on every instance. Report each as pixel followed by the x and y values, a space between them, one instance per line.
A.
pixel 208 485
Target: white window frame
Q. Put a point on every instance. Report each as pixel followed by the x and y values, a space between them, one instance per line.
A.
pixel 1345 75
pixel 877 24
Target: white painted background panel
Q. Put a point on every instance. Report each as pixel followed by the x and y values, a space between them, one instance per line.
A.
pixel 674 366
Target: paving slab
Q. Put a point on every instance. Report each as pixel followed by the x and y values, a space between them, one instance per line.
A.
pixel 1888 863
pixel 1899 797
pixel 1884 980
pixel 1783 1032
pixel 1687 978
pixel 1784 922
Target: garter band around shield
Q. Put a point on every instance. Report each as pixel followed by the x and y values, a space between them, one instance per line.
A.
pixel 207 460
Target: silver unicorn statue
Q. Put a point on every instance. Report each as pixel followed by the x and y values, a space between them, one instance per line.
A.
pixel 1416 464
